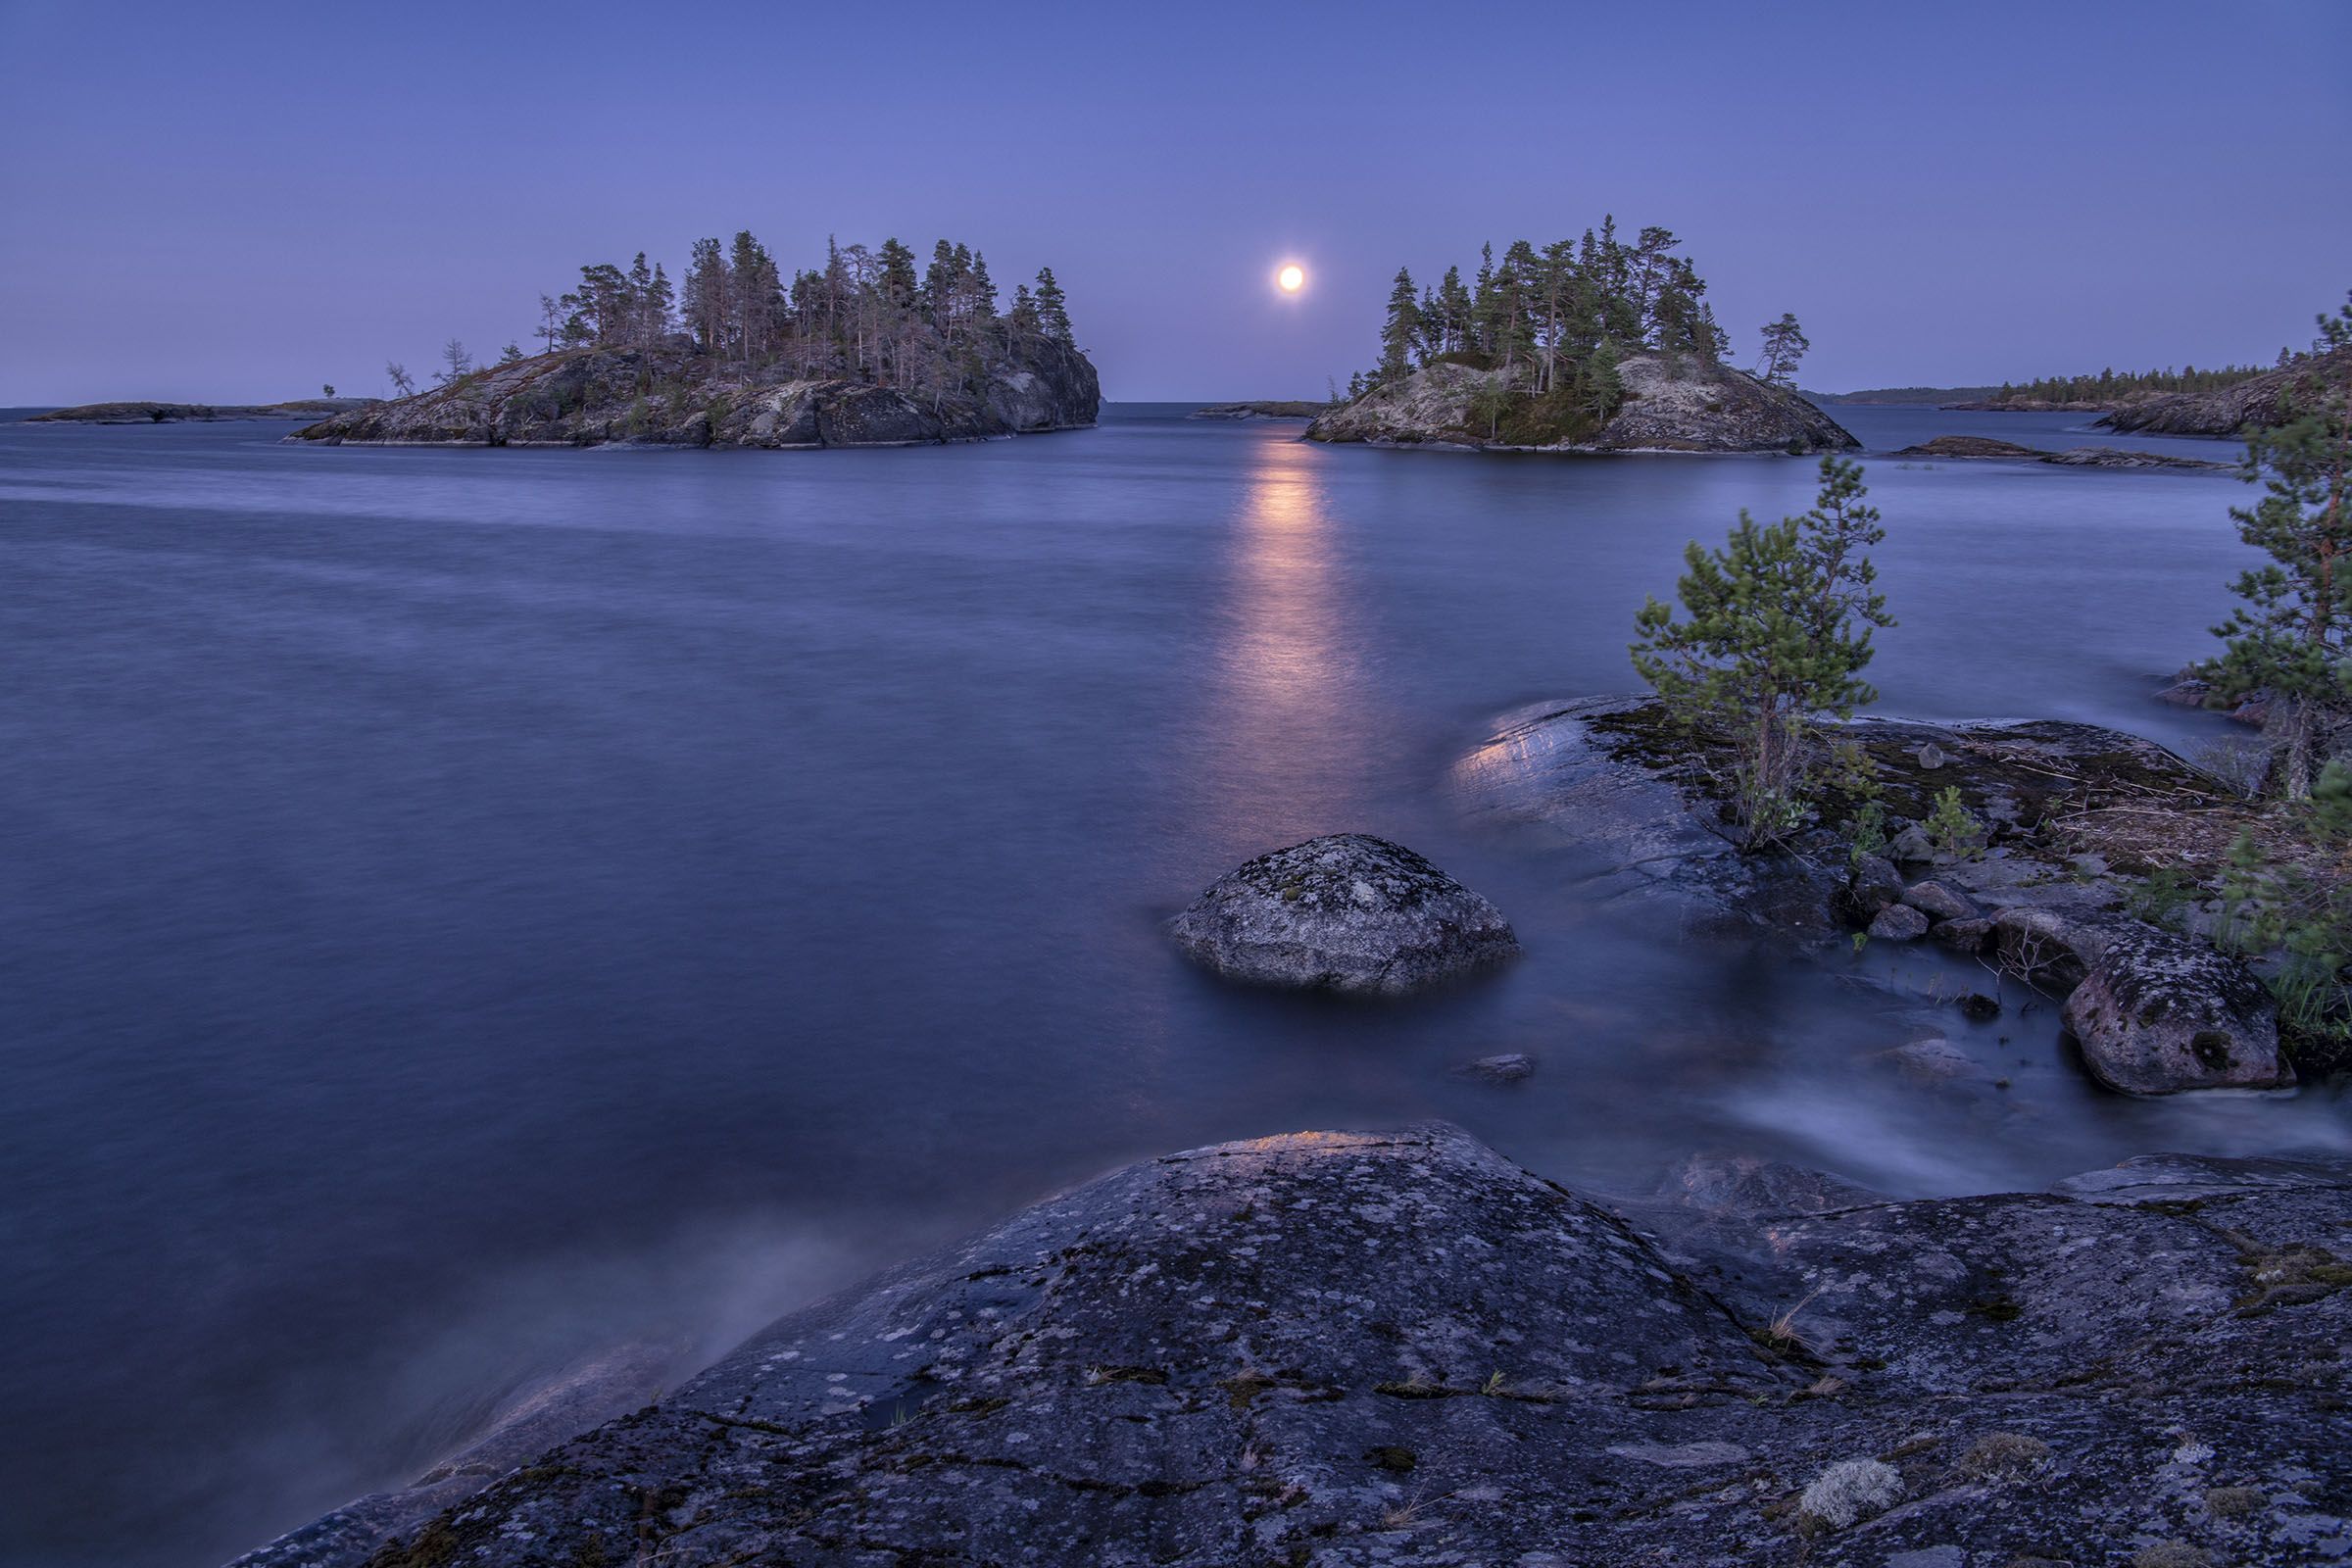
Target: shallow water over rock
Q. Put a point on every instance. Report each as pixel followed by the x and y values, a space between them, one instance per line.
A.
pixel 475 908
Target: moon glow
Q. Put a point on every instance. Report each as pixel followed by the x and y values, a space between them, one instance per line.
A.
pixel 1291 279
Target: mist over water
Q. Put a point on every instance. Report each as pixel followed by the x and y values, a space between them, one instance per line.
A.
pixel 468 909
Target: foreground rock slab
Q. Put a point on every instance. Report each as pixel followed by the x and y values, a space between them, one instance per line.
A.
pixel 1331 1348
pixel 1345 912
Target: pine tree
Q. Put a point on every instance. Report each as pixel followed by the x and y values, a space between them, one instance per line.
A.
pixel 1401 330
pixel 755 292
pixel 1021 322
pixel 1785 345
pixel 899 281
pixel 660 306
pixel 2294 634
pixel 1453 310
pixel 398 374
pixel 1776 629
pixel 708 311
pixel 1051 309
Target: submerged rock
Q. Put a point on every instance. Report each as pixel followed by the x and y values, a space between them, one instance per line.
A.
pixel 1509 1068
pixel 1346 913
pixel 1336 1348
pixel 2157 1014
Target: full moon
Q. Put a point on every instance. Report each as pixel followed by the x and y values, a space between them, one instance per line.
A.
pixel 1290 279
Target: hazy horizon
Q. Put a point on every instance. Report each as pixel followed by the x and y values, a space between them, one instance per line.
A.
pixel 216 207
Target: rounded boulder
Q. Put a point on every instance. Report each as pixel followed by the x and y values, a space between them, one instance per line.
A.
pixel 1346 913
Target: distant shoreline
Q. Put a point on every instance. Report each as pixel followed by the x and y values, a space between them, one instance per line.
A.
pixel 158 412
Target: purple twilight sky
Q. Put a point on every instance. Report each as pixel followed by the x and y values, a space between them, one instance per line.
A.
pixel 242 202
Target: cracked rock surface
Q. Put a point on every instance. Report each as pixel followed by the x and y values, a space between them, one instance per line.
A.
pixel 1397 1347
pixel 1344 912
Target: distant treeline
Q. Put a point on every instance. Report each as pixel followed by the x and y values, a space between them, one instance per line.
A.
pixel 1907 393
pixel 2121 386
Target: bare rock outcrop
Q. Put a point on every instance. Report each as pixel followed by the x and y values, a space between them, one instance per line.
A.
pixel 1335 1349
pixel 676 395
pixel 1672 404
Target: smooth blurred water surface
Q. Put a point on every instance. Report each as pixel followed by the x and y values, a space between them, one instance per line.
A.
pixel 465 908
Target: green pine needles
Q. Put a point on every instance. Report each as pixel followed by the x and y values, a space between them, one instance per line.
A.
pixel 1775 629
pixel 2294 634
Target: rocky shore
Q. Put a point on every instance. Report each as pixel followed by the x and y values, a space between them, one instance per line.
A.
pixel 1345 1348
pixel 2258 401
pixel 1672 404
pixel 676 395
pixel 2057 828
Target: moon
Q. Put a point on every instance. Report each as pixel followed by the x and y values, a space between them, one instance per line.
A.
pixel 1291 279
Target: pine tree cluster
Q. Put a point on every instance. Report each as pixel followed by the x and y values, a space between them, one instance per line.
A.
pixel 1567 312
pixel 866 314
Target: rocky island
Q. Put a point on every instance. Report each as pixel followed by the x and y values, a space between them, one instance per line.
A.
pixel 1985 447
pixel 861 353
pixel 1341 1348
pixel 1264 409
pixel 1588 345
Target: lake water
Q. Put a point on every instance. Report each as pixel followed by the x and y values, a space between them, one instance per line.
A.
pixel 467 908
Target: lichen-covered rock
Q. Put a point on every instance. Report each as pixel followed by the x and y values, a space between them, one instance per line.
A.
pixel 1672 404
pixel 672 394
pixel 1339 1350
pixel 2157 1014
pixel 1849 1490
pixel 1344 912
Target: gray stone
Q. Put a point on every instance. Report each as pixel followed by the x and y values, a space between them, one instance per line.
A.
pixel 1962 936
pixel 1344 912
pixel 2158 1014
pixel 1913 845
pixel 1941 901
pixel 1345 1348
pixel 1931 756
pixel 1874 885
pixel 1898 922
pixel 1508 1068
